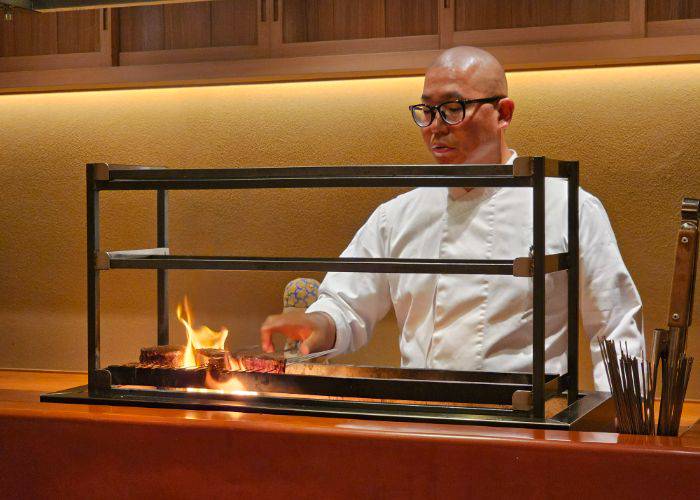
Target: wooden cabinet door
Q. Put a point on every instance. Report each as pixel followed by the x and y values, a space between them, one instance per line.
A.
pixel 192 32
pixel 518 22
pixel 55 40
pixel 328 27
pixel 673 17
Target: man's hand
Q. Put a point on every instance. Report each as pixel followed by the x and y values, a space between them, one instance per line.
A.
pixel 316 330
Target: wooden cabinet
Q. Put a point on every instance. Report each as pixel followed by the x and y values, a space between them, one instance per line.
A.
pixel 668 10
pixel 321 27
pixel 189 32
pixel 261 40
pixel 32 41
pixel 508 22
pixel 673 17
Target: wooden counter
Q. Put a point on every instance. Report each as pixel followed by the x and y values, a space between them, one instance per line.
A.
pixel 88 451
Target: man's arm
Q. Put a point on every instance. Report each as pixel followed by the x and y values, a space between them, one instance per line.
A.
pixel 349 304
pixel 610 303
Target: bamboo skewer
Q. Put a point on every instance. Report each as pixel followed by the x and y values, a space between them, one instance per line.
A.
pixel 633 381
pixel 631 386
pixel 675 374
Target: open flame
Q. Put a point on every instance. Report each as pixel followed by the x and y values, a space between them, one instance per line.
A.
pixel 198 338
pixel 204 337
pixel 231 386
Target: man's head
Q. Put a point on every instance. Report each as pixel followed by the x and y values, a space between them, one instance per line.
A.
pixel 467 73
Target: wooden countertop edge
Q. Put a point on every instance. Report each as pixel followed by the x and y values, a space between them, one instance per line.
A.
pixel 357 429
pixel 24 405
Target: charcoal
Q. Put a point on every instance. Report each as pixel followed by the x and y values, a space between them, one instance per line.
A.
pixel 157 376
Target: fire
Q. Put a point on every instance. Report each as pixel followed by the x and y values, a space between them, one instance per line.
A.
pixel 198 338
pixel 231 386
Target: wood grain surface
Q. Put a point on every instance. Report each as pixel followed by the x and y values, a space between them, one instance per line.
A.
pixel 498 14
pixel 666 10
pixel 120 452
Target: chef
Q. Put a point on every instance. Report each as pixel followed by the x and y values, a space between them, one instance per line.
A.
pixel 470 322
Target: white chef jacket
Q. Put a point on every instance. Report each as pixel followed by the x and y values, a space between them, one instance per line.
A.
pixel 482 322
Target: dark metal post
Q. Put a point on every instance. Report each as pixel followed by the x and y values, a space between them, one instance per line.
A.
pixel 162 228
pixel 573 282
pixel 93 278
pixel 538 290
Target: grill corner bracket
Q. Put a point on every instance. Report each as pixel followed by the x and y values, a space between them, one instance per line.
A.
pixel 523 166
pixel 100 171
pixel 103 259
pixel 522 267
pixel 522 400
pixel 525 266
pixel 102 380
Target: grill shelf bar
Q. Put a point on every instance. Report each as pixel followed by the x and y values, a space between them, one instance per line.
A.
pixel 320 264
pixel 159 259
pixel 317 182
pixel 136 177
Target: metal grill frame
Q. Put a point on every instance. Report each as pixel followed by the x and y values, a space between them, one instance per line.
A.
pixel 526 172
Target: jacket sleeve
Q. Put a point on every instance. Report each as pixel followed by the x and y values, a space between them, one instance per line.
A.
pixel 357 301
pixel 610 304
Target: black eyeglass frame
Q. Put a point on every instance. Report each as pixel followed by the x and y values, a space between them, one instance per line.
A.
pixel 463 102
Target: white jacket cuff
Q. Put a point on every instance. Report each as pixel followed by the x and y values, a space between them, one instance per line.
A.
pixel 342 329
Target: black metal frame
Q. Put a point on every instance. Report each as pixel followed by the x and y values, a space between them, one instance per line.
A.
pixel 401 384
pixel 525 172
pixel 437 109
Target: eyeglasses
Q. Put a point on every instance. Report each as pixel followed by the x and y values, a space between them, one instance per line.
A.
pixel 451 112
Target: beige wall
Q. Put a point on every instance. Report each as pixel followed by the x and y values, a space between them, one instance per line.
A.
pixel 634 130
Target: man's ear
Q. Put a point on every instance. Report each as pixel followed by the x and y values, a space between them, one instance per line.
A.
pixel 506 107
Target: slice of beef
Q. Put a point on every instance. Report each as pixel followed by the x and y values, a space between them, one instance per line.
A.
pixel 167 356
pixel 217 359
pixel 261 363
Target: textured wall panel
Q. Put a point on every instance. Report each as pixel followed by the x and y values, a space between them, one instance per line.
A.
pixel 633 129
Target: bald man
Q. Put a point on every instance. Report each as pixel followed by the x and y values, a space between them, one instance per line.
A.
pixel 470 322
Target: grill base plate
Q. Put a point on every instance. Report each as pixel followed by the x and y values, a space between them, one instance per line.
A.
pixel 593 411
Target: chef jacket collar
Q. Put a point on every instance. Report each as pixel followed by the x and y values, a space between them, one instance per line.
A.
pixel 456 193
